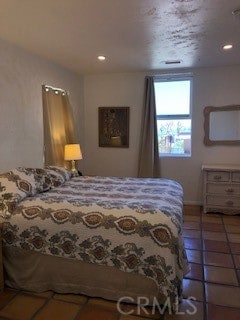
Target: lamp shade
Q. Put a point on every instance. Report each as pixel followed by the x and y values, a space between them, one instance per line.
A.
pixel 72 152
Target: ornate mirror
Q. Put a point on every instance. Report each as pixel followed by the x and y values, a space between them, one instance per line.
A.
pixel 222 125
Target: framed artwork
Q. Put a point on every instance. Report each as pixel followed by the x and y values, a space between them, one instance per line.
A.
pixel 113 126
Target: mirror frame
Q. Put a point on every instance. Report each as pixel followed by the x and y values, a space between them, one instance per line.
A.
pixel 207 111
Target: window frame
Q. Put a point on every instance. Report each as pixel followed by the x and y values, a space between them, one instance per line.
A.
pixel 177 78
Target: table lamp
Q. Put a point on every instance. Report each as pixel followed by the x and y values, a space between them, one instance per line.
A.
pixel 72 152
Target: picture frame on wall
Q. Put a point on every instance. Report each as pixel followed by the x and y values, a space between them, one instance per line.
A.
pixel 113 126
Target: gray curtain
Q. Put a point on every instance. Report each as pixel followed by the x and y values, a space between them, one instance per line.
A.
pixel 58 125
pixel 148 158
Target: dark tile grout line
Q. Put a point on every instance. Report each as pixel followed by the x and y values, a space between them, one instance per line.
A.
pixel 51 298
pixel 203 272
pixel 202 268
pixel 232 255
pixel 8 301
pixel 80 306
pixel 47 299
pixel 202 264
pixel 80 309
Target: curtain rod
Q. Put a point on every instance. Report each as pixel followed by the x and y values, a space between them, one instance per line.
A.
pixel 54 88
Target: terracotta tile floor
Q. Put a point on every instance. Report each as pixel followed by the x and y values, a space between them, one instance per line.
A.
pixel 213 248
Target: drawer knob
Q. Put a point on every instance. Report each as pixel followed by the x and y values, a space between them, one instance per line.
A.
pixel 229 203
pixel 230 190
pixel 217 177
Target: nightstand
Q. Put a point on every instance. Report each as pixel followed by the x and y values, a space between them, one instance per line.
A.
pixel 1 259
pixel 221 188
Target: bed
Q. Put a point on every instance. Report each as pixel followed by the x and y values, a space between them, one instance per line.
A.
pixel 100 236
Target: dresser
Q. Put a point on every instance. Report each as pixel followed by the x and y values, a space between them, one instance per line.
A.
pixel 221 188
pixel 1 260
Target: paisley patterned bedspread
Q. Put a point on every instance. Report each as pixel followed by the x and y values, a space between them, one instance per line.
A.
pixel 128 223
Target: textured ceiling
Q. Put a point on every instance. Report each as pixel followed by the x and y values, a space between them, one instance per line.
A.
pixel 135 35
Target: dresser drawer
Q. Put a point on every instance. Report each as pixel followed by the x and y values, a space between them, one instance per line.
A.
pixel 223 188
pixel 236 176
pixel 223 201
pixel 218 176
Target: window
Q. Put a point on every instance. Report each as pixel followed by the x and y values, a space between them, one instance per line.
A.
pixel 173 108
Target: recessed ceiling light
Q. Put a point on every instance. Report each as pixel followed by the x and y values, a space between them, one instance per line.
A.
pixel 227 47
pixel 101 58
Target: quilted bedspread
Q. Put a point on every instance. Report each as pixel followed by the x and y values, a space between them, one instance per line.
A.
pixel 129 223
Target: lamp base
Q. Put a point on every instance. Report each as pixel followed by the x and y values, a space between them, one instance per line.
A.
pixel 73 169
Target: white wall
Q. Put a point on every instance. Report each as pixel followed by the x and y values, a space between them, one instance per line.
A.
pixel 112 90
pixel 21 125
pixel 211 87
pixel 21 122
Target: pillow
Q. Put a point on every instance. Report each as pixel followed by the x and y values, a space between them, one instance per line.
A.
pixel 50 177
pixel 15 185
pixel 46 178
pixel 22 182
pixel 28 179
pixel 65 173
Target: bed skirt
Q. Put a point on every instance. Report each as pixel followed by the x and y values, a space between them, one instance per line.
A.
pixel 37 272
